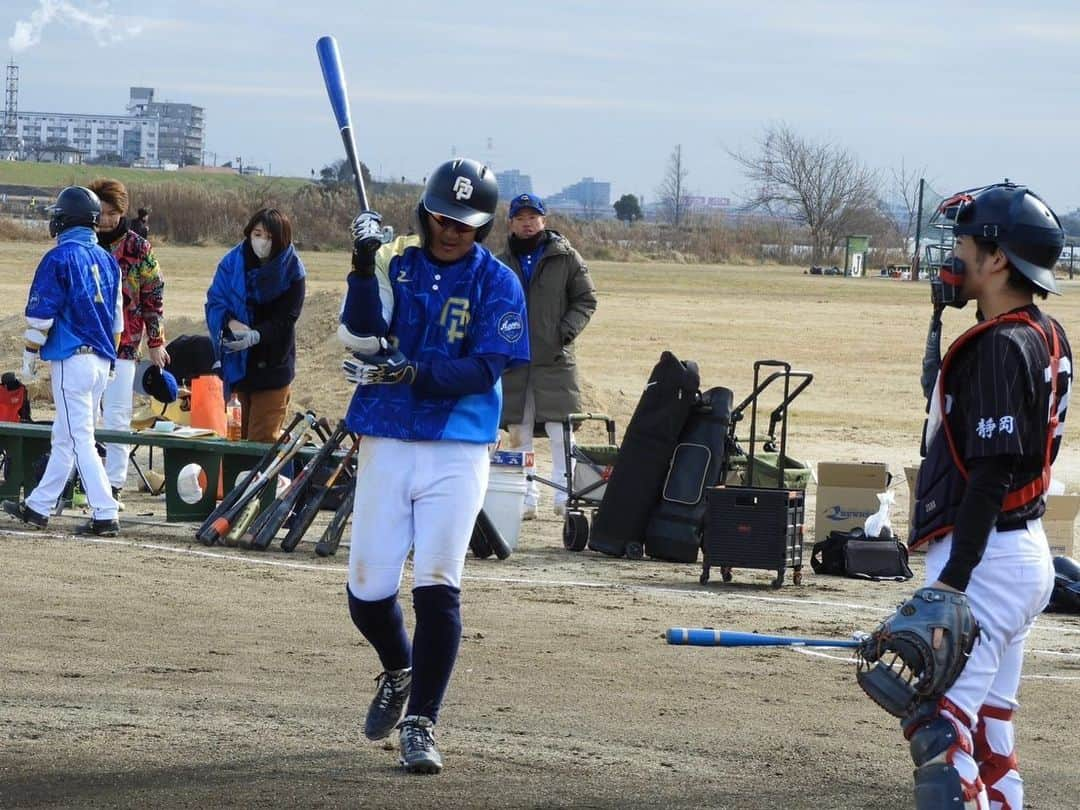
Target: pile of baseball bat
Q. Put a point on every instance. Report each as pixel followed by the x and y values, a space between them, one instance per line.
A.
pixel 242 520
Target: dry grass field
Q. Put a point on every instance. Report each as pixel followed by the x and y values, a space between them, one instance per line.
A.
pixel 150 671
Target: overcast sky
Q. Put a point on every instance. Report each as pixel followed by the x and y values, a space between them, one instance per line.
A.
pixel 973 91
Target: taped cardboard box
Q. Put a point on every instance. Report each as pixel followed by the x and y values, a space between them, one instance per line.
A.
pixel 1059 523
pixel 847 494
pixel 911 473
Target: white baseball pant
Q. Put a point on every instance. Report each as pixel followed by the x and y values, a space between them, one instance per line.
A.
pixel 116 411
pixel 422 496
pixel 77 386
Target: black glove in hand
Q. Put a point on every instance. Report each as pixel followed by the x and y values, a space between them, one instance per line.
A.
pixel 367 234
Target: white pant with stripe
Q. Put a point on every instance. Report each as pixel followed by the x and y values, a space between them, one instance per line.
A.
pixel 77 386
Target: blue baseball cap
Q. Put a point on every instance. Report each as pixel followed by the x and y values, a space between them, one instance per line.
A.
pixel 153 382
pixel 527 201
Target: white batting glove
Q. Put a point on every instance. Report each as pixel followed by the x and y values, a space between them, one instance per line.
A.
pixel 241 341
pixel 379 370
pixel 29 363
pixel 367 226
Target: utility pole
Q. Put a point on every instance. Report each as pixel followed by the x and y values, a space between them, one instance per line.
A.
pixel 915 260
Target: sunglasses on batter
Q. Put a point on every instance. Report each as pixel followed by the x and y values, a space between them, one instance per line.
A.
pixel 448 224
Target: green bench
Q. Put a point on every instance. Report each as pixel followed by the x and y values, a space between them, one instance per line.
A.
pixel 23 444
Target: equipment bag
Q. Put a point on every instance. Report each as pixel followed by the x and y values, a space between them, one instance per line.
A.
pixel 852 554
pixel 618 527
pixel 677 521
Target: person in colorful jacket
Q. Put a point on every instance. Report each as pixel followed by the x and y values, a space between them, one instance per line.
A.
pixel 143 288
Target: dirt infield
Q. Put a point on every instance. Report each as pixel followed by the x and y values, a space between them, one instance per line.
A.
pixel 150 671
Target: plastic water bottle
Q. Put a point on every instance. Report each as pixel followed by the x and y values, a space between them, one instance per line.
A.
pixel 234 418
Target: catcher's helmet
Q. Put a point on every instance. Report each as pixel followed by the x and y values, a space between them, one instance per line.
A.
pixel 463 190
pixel 1021 224
pixel 74 206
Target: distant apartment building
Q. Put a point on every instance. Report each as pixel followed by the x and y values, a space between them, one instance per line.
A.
pixel 587 198
pixel 133 138
pixel 512 182
pixel 182 135
pixel 151 134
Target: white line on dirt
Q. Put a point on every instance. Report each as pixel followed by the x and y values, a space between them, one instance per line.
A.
pixel 1042 624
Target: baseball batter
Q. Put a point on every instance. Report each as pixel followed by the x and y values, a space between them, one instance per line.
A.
pixel 453 319
pixel 994 428
pixel 74 316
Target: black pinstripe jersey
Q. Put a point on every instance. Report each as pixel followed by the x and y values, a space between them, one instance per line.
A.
pixel 998 398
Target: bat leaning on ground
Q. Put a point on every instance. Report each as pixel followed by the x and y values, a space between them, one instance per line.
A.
pixel 302 520
pixel 253 485
pixel 334 79
pixel 707 637
pixel 331 537
pixel 267 458
pixel 219 522
pixel 487 539
pixel 259 536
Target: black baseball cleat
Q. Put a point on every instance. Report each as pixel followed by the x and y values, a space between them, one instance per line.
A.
pixel 387 706
pixel 19 510
pixel 418 751
pixel 102 528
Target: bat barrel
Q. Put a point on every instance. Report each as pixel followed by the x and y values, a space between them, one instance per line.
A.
pixel 708 637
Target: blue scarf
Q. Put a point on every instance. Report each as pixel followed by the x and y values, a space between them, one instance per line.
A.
pixel 234 287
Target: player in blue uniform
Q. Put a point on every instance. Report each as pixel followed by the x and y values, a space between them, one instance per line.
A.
pixel 74 317
pixel 451 319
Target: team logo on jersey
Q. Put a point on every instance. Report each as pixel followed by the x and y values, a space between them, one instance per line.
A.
pixel 462 188
pixel 455 317
pixel 511 327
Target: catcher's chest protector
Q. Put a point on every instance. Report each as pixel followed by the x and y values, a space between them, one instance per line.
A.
pixel 647 447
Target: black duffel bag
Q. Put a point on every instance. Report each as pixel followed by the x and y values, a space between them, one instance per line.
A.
pixel 853 554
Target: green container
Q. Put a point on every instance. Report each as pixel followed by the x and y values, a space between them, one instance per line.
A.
pixel 766 472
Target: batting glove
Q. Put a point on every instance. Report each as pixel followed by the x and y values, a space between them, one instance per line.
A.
pixel 29 363
pixel 389 369
pixel 367 233
pixel 241 341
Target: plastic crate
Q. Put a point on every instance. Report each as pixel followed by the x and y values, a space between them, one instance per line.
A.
pixel 754 527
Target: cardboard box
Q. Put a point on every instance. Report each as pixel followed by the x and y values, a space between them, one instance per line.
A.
pixel 1059 523
pixel 910 473
pixel 847 495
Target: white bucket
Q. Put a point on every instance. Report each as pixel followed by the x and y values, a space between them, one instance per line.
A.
pixel 504 500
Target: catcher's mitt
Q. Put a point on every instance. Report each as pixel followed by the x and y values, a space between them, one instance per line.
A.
pixel 929 638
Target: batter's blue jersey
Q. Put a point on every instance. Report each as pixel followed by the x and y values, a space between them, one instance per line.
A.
pixel 445 312
pixel 76 284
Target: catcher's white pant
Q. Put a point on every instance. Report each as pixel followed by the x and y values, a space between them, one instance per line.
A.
pixel 77 386
pixel 423 496
pixel 116 410
pixel 1009 588
pixel 522 437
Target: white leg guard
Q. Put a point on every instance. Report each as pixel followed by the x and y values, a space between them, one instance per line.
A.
pixel 995 752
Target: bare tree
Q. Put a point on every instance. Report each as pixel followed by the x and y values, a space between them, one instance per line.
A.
pixel 819 185
pixel 905 187
pixel 672 190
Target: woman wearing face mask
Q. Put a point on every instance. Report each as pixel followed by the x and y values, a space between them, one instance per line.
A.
pixel 252 307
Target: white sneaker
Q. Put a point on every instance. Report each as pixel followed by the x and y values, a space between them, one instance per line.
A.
pixel 528 513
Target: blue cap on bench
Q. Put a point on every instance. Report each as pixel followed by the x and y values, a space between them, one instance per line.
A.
pixel 151 381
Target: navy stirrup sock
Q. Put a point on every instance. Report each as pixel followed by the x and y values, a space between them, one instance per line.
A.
pixel 382 624
pixel 435 647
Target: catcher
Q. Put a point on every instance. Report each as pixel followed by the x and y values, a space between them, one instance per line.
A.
pixel 996 417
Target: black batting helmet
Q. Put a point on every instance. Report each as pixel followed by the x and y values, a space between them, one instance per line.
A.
pixel 463 190
pixel 1021 224
pixel 1066 595
pixel 74 206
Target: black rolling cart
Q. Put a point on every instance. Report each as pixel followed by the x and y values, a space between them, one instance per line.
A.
pixel 759 524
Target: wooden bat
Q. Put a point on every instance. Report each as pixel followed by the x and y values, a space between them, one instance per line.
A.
pixel 302 520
